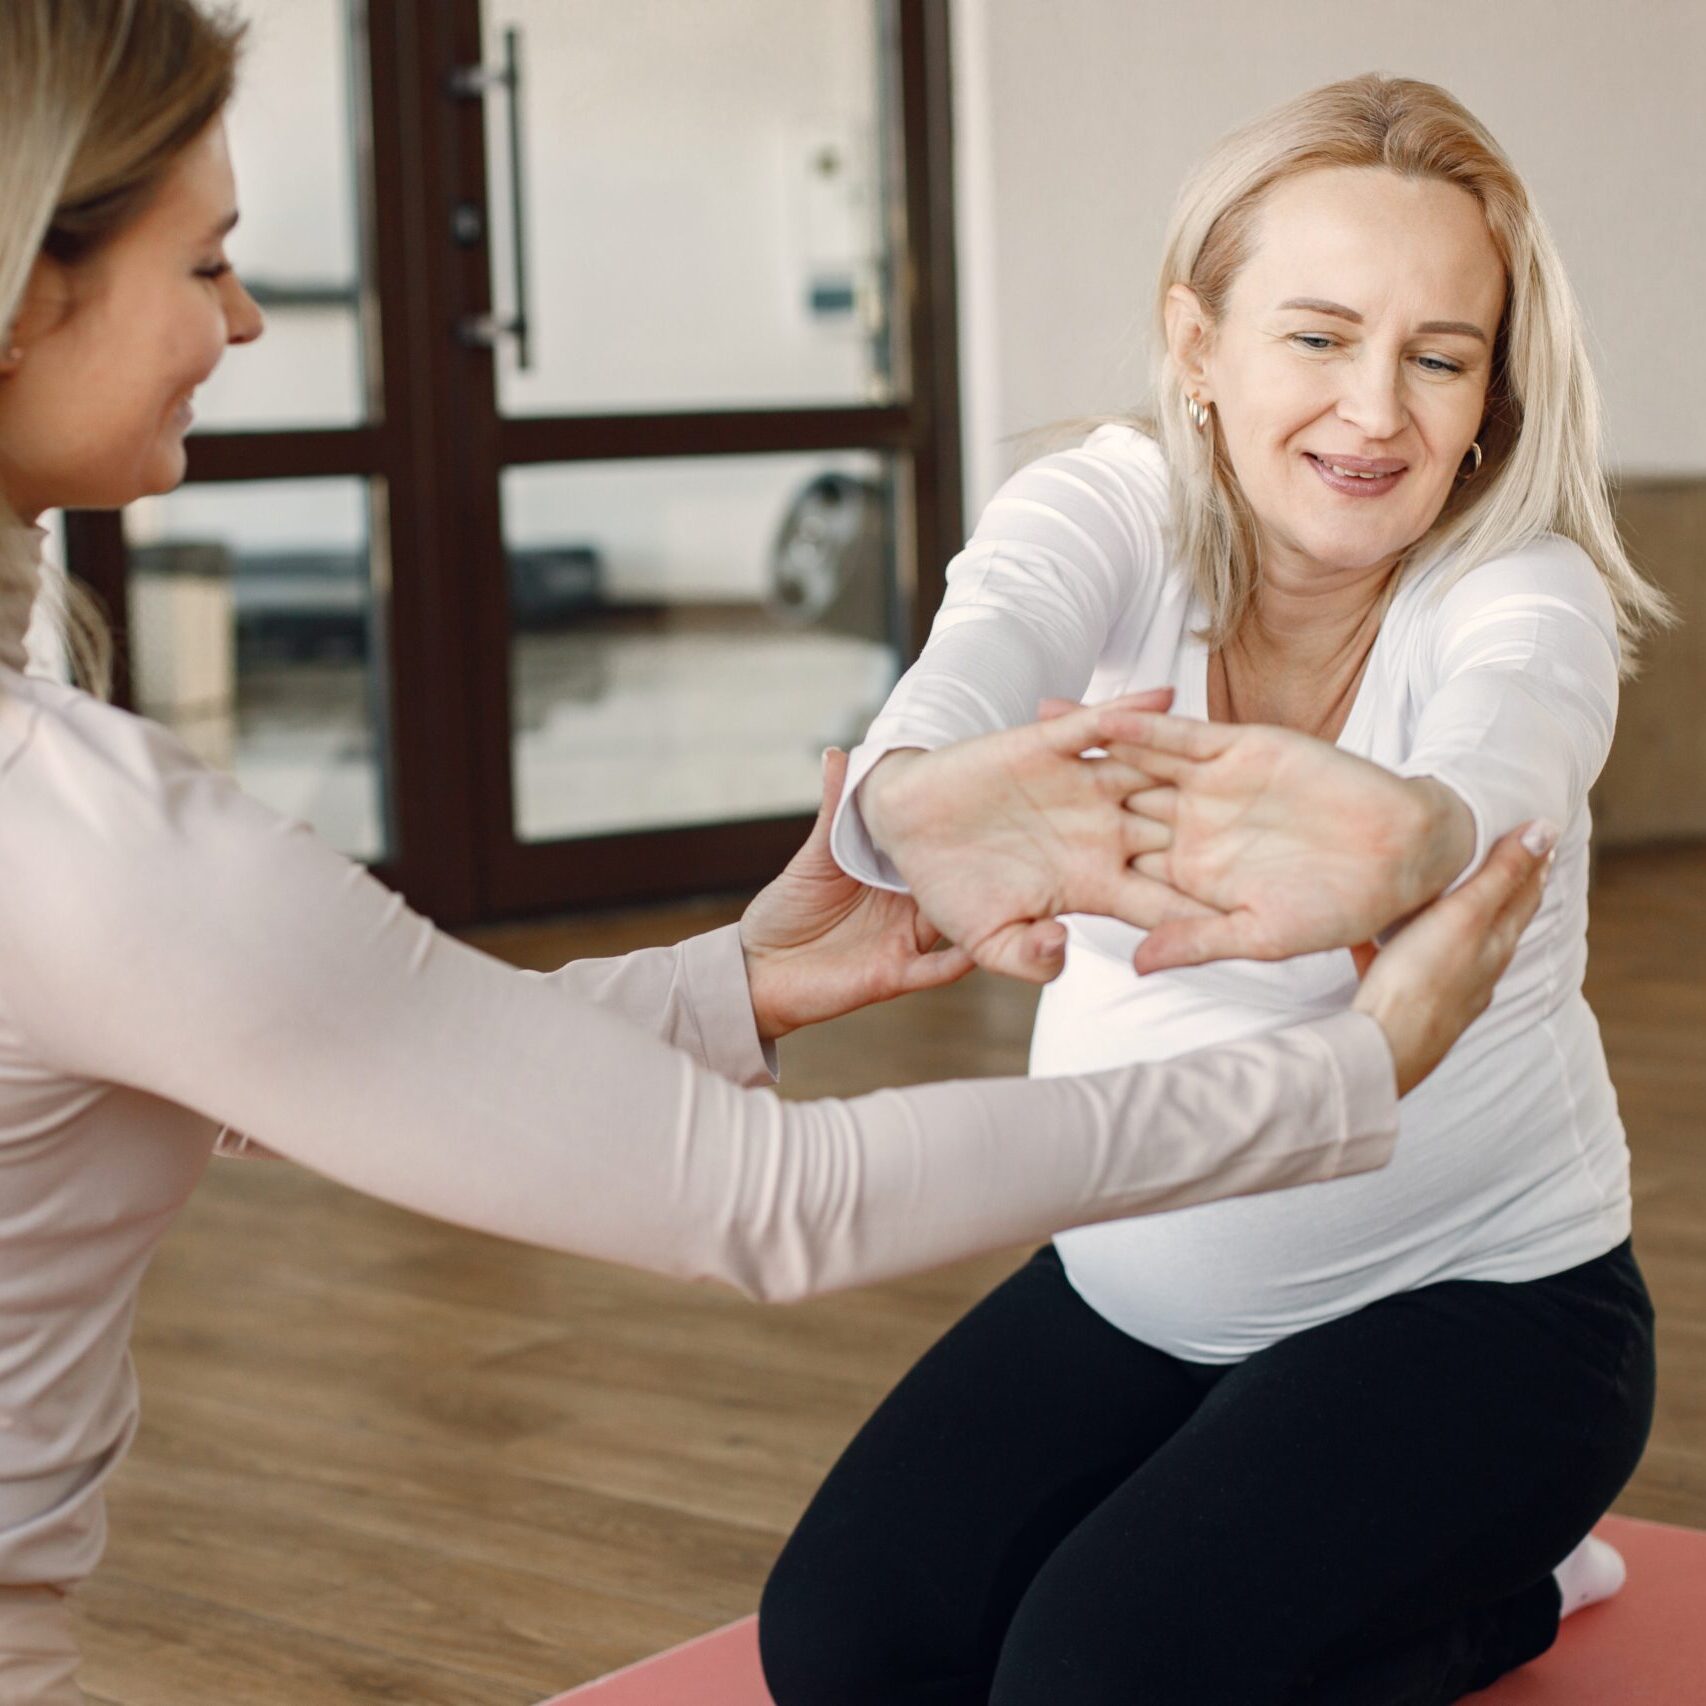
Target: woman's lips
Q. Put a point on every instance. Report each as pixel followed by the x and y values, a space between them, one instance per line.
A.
pixel 1357 476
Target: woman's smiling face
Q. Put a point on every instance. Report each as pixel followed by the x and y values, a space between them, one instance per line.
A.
pixel 1350 368
pixel 95 414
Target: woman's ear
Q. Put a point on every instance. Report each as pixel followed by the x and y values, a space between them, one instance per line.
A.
pixel 1189 335
pixel 43 307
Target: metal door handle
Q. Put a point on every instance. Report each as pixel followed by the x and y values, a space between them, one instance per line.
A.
pixel 475 82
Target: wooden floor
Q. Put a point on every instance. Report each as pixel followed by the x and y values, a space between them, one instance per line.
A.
pixel 386 1461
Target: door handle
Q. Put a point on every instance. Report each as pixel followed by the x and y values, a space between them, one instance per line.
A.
pixel 475 82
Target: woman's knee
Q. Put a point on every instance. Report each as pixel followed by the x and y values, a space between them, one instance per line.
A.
pixel 804 1636
pixel 1089 1633
pixel 839 1628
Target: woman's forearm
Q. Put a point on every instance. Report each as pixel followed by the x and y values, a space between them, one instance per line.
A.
pixel 811 1197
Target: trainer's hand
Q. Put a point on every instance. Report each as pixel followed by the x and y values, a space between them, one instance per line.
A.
pixel 818 943
pixel 998 835
pixel 1297 846
pixel 1437 975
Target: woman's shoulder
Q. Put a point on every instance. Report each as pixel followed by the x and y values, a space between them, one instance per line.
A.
pixel 1115 477
pixel 1545 572
pixel 53 726
pixel 1125 449
pixel 1129 440
pixel 84 780
pixel 118 846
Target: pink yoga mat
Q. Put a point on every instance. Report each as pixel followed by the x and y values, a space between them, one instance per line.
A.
pixel 1647 1647
pixel 719 1669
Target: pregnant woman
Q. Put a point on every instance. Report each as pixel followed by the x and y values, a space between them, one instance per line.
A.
pixel 1328 1446
pixel 177 963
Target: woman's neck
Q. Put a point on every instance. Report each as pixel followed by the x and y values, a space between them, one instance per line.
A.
pixel 1298 657
pixel 24 507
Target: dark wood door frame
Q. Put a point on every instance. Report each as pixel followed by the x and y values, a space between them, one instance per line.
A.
pixel 436 445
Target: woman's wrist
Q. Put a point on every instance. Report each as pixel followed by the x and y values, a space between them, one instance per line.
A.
pixel 881 798
pixel 1444 843
pixel 771 1027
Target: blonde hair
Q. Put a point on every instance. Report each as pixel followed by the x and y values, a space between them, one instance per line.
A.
pixel 1541 469
pixel 97 100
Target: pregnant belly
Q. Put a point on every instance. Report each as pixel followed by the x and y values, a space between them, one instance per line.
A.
pixel 1220 1282
pixel 1510 1162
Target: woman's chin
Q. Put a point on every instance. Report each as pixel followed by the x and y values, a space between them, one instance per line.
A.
pixel 1348 552
pixel 165 471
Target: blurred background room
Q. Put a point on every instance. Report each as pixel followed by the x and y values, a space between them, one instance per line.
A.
pixel 632 373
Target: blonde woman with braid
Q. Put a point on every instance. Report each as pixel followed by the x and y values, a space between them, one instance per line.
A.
pixel 178 963
pixel 1324 1448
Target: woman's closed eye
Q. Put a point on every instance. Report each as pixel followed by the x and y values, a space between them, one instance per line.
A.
pixel 213 269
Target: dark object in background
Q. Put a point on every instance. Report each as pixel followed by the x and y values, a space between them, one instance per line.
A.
pixel 829 565
pixel 297 606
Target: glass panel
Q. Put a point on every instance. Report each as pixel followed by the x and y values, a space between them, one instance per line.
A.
pixel 297 248
pixel 689 635
pixel 710 178
pixel 256 633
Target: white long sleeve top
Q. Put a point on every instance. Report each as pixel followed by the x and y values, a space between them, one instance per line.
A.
pixel 1513 1163
pixel 177 961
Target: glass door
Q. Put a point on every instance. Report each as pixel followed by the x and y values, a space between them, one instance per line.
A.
pixel 702 341
pixel 599 460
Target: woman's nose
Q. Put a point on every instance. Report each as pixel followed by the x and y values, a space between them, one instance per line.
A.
pixel 243 317
pixel 1373 400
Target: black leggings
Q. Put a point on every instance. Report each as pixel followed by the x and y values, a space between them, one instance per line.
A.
pixel 1046 1512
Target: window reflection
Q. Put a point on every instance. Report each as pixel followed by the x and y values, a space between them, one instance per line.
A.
pixel 688 636
pixel 254 635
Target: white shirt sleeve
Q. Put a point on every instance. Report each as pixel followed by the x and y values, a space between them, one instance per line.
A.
pixel 1515 670
pixel 161 930
pixel 1069 546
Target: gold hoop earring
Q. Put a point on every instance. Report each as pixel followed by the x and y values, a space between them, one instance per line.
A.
pixel 1198 412
pixel 1475 451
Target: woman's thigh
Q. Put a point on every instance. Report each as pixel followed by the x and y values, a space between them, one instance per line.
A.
pixel 1355 1484
pixel 900 1579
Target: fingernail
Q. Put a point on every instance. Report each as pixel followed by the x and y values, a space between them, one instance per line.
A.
pixel 1540 838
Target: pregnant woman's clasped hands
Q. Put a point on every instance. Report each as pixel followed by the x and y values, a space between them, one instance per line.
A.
pixel 1297 846
pixel 997 835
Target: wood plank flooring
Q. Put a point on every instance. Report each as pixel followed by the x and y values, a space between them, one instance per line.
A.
pixel 386 1461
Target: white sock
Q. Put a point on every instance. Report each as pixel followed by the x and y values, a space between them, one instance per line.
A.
pixel 1594 1571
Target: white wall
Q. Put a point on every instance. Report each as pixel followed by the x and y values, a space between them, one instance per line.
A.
pixel 1078 119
